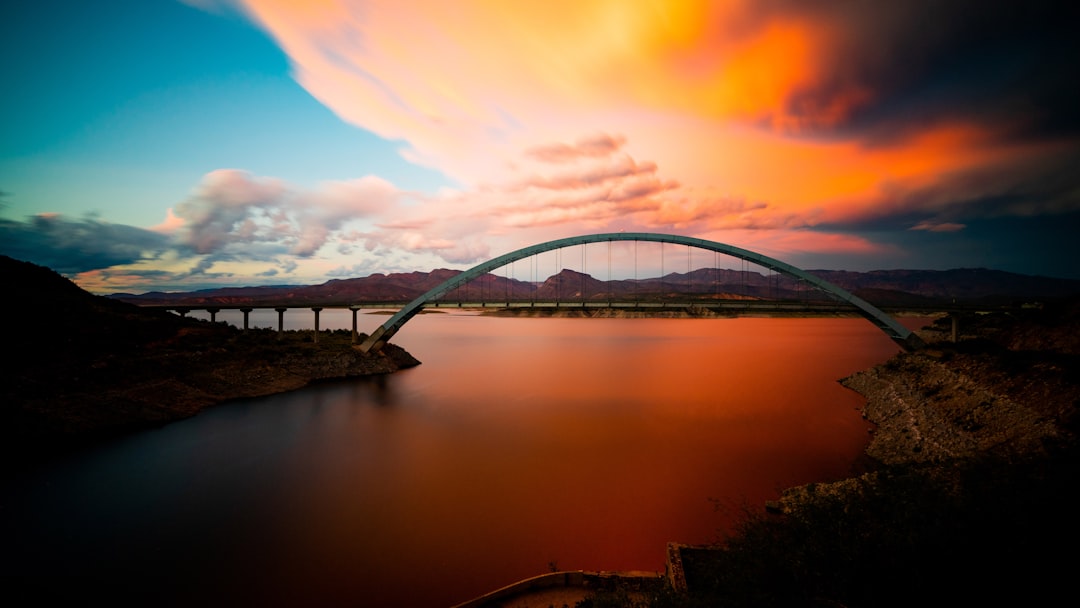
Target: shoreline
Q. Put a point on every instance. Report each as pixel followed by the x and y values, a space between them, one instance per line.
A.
pixel 201 366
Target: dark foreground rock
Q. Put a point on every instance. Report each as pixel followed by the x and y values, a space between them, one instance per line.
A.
pixel 81 367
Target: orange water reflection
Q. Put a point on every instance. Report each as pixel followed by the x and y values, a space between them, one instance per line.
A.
pixel 588 443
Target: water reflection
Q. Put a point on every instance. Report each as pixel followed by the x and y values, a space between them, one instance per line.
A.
pixel 517 443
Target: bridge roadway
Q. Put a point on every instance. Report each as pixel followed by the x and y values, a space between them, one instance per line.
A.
pixel 723 306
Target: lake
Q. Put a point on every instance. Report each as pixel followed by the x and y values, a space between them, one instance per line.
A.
pixel 517 446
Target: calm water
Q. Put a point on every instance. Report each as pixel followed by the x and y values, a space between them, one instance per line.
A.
pixel 518 444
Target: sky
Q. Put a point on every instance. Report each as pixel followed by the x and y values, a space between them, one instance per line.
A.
pixel 176 145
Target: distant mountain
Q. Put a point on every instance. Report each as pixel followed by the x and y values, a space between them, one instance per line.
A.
pixel 880 287
pixel 962 284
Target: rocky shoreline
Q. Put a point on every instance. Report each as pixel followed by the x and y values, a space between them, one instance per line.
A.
pixel 928 411
pixel 68 402
pixel 995 395
pixel 965 494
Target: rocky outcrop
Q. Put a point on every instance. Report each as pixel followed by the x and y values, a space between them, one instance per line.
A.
pixel 81 366
pixel 53 404
pixel 932 411
pixel 986 397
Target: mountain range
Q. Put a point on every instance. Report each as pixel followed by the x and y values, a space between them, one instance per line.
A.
pixel 881 287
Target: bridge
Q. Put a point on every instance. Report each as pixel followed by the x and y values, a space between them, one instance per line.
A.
pixel 892 328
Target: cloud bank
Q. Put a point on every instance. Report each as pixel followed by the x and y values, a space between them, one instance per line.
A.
pixel 883 132
pixel 832 111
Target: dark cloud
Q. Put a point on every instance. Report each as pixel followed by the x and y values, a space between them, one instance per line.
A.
pixel 1006 64
pixel 108 280
pixel 1029 244
pixel 933 226
pixel 73 246
pixel 1044 185
pixel 1036 245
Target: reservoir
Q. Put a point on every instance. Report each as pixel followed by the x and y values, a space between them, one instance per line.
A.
pixel 519 445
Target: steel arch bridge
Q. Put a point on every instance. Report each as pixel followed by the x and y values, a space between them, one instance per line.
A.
pixel 899 334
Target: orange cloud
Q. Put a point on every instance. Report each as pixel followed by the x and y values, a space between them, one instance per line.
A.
pixel 469 83
pixel 729 115
pixel 750 77
pixel 786 243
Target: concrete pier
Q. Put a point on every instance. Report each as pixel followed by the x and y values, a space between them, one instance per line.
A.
pixel 280 321
pixel 355 335
pixel 246 312
pixel 317 310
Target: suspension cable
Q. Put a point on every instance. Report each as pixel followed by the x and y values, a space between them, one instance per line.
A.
pixel 716 273
pixel 583 245
pixel 558 279
pixel 661 271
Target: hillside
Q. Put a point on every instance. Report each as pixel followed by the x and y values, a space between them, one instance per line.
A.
pixel 82 366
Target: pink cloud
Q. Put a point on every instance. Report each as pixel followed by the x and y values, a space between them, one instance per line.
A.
pixel 170 224
pixel 232 208
pixel 600 145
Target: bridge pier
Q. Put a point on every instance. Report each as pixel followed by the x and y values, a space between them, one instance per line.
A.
pixel 317 310
pixel 246 311
pixel 355 335
pixel 213 314
pixel 280 321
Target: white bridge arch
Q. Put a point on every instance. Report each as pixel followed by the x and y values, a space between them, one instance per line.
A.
pixel 900 334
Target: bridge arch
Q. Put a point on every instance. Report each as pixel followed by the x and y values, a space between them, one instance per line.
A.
pixel 899 334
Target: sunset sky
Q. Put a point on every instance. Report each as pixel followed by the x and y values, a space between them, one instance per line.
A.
pixel 177 145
